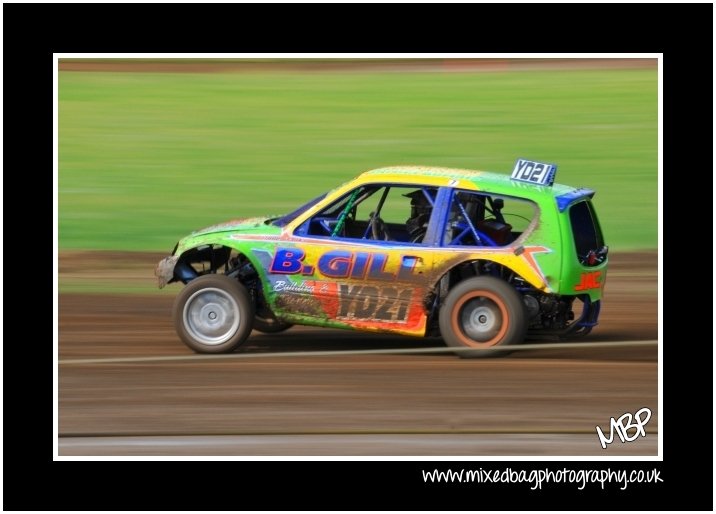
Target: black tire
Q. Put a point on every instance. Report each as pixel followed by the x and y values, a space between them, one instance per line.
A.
pixel 213 314
pixel 482 312
pixel 270 325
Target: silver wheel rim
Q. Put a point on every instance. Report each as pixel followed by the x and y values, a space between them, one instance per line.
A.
pixel 481 319
pixel 211 316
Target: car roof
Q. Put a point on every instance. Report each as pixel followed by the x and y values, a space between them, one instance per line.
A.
pixel 498 183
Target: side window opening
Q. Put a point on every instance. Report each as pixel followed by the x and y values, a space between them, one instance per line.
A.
pixel 482 219
pixel 376 212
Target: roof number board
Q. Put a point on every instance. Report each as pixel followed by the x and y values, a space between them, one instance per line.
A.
pixel 534 172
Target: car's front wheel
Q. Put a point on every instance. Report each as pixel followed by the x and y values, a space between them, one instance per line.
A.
pixel 482 312
pixel 213 314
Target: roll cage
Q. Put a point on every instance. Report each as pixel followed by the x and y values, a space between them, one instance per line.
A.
pixel 431 215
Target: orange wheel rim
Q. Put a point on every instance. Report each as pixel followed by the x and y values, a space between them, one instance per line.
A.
pixel 487 317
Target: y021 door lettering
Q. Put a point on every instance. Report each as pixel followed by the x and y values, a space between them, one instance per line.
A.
pixel 373 303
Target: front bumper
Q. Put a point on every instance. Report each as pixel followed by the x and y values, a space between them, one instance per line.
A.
pixel 165 270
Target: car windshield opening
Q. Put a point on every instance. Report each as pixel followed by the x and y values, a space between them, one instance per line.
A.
pixel 288 218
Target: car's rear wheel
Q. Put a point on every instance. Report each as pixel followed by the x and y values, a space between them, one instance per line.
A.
pixel 482 312
pixel 213 314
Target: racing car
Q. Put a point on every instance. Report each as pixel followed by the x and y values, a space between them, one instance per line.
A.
pixel 482 259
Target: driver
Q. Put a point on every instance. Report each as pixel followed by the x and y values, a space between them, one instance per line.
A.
pixel 420 209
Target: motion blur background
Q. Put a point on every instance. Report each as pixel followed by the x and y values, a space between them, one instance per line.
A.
pixel 154 149
pixel 151 149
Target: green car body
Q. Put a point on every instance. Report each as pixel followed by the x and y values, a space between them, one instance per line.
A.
pixel 482 258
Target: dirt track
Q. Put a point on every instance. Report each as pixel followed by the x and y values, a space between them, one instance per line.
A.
pixel 447 406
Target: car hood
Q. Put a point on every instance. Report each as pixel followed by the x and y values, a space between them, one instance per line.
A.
pixel 232 226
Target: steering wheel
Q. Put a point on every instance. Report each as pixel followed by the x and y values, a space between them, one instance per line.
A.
pixel 379 229
pixel 418 235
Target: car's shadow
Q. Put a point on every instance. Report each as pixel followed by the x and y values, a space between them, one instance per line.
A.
pixel 309 339
pixel 300 339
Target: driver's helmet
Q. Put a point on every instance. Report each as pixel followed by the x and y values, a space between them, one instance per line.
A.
pixel 419 204
pixel 420 209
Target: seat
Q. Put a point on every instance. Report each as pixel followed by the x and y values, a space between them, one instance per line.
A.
pixel 500 233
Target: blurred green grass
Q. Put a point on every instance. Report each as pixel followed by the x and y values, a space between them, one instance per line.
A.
pixel 146 158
